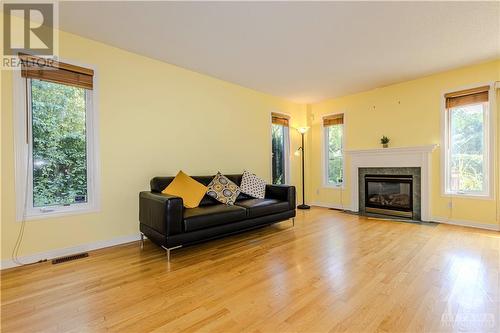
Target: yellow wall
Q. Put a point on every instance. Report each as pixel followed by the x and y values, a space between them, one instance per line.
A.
pixel 408 113
pixel 154 119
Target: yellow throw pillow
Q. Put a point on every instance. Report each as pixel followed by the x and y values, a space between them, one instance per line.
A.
pixel 187 188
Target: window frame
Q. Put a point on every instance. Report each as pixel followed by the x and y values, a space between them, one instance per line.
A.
pixel 288 176
pixel 24 163
pixel 325 151
pixel 489 149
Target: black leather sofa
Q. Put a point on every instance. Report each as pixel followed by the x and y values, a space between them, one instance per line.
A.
pixel 165 221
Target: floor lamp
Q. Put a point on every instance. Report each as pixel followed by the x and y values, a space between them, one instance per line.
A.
pixel 303 131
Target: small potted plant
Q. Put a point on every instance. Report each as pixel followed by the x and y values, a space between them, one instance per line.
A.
pixel 385 141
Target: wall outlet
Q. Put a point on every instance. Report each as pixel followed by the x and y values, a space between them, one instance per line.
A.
pixel 317 191
pixel 450 204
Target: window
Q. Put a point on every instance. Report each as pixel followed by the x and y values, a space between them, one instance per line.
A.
pixel 333 127
pixel 55 143
pixel 280 138
pixel 467 142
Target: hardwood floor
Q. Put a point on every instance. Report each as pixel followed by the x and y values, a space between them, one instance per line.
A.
pixel 332 272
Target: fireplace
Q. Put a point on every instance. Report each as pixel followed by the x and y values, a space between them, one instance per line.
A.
pixel 415 161
pixel 389 195
pixel 391 192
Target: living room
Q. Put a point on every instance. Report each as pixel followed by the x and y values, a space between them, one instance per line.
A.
pixel 359 140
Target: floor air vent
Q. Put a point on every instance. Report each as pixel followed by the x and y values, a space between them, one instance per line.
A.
pixel 69 258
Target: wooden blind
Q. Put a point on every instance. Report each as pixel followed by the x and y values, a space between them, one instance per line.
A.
pixel 33 67
pixel 465 97
pixel 337 119
pixel 280 120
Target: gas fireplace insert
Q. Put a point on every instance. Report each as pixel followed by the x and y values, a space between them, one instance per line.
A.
pixel 389 195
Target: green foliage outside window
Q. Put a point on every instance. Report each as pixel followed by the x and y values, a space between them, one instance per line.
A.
pixel 278 149
pixel 59 144
pixel 335 157
pixel 467 148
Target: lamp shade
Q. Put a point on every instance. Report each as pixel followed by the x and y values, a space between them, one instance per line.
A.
pixel 303 130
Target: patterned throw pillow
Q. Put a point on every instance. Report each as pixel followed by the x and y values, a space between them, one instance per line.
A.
pixel 223 190
pixel 253 185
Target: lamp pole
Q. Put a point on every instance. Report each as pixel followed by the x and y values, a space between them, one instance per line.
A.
pixel 302 132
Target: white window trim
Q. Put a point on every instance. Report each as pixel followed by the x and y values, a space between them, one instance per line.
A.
pixel 23 156
pixel 288 157
pixel 324 153
pixel 490 117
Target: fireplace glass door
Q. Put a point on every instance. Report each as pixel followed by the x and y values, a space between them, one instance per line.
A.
pixel 389 195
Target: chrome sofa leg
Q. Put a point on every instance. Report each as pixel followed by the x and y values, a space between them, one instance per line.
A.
pixel 293 221
pixel 142 240
pixel 168 249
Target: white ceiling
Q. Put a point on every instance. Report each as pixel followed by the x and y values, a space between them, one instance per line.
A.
pixel 303 51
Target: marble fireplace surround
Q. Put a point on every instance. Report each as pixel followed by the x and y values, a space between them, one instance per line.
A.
pixel 413 171
pixel 402 157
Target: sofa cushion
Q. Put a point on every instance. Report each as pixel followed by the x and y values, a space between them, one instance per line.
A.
pixel 210 216
pixel 208 201
pixel 223 189
pixel 261 207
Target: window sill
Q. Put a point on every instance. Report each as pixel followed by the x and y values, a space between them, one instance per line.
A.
pixel 334 186
pixel 37 215
pixel 468 196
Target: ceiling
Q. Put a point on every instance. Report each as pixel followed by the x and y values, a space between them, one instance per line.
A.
pixel 302 51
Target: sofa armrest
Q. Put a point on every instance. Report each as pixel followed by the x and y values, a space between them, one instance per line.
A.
pixel 161 212
pixel 281 192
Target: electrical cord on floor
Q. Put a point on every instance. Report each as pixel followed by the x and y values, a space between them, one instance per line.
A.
pixel 20 235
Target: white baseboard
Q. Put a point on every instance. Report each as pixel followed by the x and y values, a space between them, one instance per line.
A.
pixel 8 263
pixel 330 205
pixel 438 219
pixel 465 223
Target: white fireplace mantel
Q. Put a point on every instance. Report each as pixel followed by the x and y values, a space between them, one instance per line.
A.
pixel 418 156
